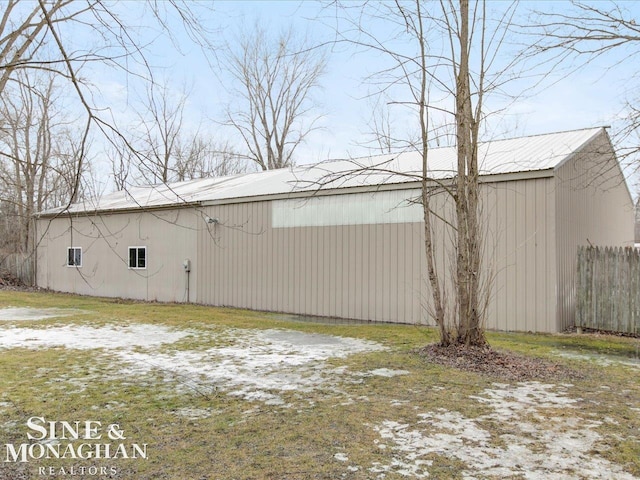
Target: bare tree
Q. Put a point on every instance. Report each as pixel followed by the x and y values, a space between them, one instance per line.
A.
pixel 160 126
pixel 274 79
pixel 31 37
pixel 577 36
pixel 383 132
pixel 39 155
pixel 200 157
pixel 165 149
pixel 442 62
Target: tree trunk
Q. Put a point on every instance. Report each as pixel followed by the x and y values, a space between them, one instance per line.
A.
pixel 470 331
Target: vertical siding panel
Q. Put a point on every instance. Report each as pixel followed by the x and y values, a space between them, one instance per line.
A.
pixel 512 299
pixel 353 254
pixel 387 260
pixel 394 252
pixel 236 260
pixel 499 242
pixel 211 264
pixel 302 259
pixel 593 206
pixel 531 258
pixel 333 273
pixel 316 287
pixel 219 260
pixel 259 242
pixel 310 275
pixel 250 259
pixel 404 241
pixel 358 280
pixel 227 257
pixel 283 236
pixel 278 274
pixel 401 284
pixel 252 256
pixel 241 261
pixel 419 283
pixel 540 273
pixel 266 301
pixel 295 271
pixel 379 300
pixel 340 272
pixel 347 270
pixel 520 261
pixel 365 308
pixel 415 267
pixel 492 243
pixel 551 256
pixel 324 293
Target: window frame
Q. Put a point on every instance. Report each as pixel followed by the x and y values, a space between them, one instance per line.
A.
pixel 74 264
pixel 137 249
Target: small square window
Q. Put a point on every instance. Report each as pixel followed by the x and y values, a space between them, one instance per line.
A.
pixel 74 257
pixel 137 257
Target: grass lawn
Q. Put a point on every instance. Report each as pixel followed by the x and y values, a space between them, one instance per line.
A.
pixel 209 393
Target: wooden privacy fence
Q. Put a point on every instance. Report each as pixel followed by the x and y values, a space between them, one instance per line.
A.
pixel 18 265
pixel 608 289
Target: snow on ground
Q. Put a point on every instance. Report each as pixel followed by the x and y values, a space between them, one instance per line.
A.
pixel 544 440
pixel 18 314
pixel 559 450
pixel 258 365
pixel 84 337
pixel 602 360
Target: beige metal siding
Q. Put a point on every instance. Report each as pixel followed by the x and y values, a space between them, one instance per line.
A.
pixel 375 271
pixel 594 208
pixel 353 271
pixel 519 246
pixel 370 271
pixel 105 240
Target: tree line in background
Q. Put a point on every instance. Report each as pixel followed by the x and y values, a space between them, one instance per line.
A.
pixel 46 153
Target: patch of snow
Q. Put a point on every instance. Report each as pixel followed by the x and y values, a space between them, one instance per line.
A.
pixel 193 413
pixel 83 337
pixel 560 449
pixel 256 365
pixel 261 364
pixel 385 372
pixel 341 457
pixel 19 314
pixel 524 398
pixel 600 359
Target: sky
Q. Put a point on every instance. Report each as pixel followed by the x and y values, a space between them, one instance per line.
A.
pixel 592 96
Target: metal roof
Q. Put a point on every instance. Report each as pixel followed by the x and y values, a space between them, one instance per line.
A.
pixel 523 154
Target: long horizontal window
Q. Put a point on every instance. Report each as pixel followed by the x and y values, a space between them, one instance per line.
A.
pixel 392 206
pixel 137 257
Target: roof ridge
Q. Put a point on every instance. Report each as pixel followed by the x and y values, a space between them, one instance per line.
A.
pixel 403 152
pixel 572 130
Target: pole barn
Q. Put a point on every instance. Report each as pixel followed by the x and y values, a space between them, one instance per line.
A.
pixel 345 238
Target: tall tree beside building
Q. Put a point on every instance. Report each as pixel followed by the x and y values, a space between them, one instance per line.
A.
pixel 441 62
